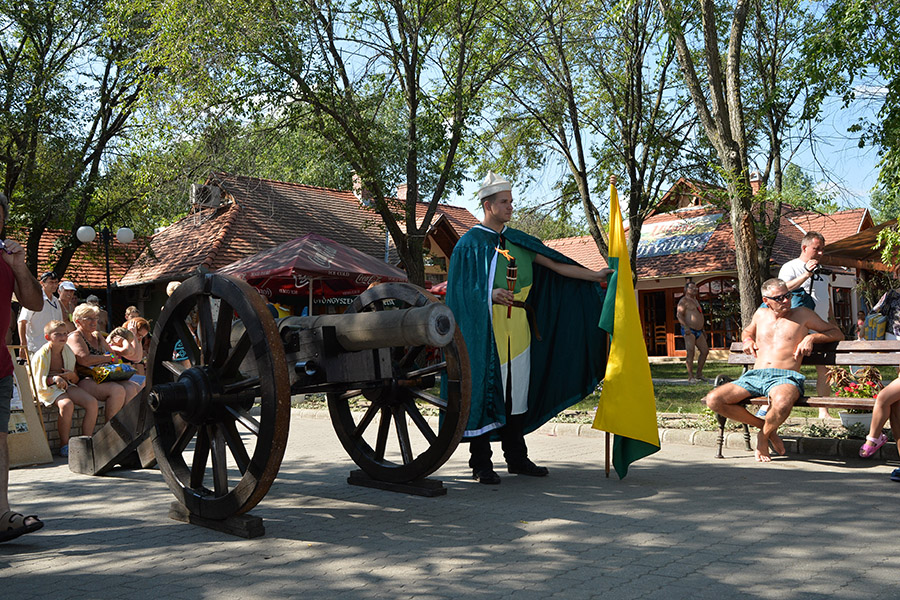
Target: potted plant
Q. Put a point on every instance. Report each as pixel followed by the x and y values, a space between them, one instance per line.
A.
pixel 863 383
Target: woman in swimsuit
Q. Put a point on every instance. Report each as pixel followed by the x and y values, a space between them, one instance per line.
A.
pixel 90 350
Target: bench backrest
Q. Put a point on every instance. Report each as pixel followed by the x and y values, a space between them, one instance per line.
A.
pixel 856 352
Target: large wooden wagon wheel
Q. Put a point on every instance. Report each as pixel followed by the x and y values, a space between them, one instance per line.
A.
pixel 389 436
pixel 222 415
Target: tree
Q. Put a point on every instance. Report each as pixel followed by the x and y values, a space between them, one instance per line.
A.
pixel 885 204
pixel 67 96
pixel 800 190
pixel 391 85
pixel 721 113
pixel 854 52
pixel 594 90
pixel 777 88
pixel 158 177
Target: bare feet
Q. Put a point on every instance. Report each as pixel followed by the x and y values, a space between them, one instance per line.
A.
pixel 823 413
pixel 762 448
pixel 777 444
pixel 692 379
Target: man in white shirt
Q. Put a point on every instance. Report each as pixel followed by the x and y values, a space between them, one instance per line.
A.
pixel 800 276
pixel 31 323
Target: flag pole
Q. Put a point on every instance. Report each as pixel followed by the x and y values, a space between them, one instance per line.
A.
pixel 607 454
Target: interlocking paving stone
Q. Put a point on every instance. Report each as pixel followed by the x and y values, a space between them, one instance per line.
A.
pixel 681 525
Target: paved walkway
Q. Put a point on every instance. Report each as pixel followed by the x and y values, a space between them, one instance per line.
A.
pixel 681 525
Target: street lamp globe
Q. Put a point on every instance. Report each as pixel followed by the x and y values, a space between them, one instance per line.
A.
pixel 125 235
pixel 86 234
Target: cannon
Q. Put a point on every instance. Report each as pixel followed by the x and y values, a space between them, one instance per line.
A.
pixel 219 420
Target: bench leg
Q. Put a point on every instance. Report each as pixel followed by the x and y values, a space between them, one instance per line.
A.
pixel 720 440
pixel 747 437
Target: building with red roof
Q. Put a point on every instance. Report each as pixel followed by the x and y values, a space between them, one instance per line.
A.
pixel 233 217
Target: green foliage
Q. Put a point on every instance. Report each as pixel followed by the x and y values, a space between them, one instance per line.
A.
pixel 389 87
pixel 548 223
pixel 854 53
pixel 885 203
pixel 69 92
pixel 800 190
pixel 592 93
pixel 889 243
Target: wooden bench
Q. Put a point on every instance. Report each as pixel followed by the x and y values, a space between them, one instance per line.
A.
pixel 876 353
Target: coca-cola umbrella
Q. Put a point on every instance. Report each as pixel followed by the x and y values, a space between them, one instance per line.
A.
pixel 330 268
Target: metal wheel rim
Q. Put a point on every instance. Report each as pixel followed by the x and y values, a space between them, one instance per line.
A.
pixel 386 404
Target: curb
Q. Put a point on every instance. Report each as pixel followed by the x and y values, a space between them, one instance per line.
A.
pixel 734 440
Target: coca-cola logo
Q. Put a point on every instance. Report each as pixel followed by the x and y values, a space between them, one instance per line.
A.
pixel 364 279
pixel 264 292
pixel 300 280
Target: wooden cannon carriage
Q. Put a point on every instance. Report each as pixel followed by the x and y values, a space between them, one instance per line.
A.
pixel 219 421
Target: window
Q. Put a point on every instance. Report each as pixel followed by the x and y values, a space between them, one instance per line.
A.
pixel 843 311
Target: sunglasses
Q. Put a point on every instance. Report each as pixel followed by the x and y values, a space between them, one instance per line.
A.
pixel 780 298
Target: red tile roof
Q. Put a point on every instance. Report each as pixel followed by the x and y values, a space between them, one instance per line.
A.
pixel 258 214
pixel 582 249
pixel 458 217
pixel 88 266
pixel 718 254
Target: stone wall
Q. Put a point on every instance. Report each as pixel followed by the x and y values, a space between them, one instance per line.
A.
pixel 50 417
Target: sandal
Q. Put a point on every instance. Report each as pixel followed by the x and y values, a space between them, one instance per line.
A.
pixel 13 524
pixel 872 445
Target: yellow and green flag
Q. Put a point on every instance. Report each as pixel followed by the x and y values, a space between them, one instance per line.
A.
pixel 627 404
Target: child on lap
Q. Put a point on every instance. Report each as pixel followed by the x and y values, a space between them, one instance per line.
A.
pixel 53 369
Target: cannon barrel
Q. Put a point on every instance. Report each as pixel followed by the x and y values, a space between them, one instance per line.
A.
pixel 429 325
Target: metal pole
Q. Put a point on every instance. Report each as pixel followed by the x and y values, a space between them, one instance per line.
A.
pixel 109 311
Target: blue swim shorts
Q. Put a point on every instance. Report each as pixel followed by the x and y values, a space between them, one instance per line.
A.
pixel 697 332
pixel 759 381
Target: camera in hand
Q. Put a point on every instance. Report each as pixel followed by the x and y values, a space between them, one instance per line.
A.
pixel 820 270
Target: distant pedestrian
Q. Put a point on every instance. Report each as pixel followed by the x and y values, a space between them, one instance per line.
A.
pixel 103 316
pixel 812 289
pixel 132 312
pixel 690 315
pixel 32 322
pixel 67 303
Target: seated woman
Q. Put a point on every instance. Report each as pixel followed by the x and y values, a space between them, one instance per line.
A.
pixel 887 406
pixel 91 350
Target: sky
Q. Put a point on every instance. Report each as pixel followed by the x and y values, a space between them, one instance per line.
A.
pixel 837 164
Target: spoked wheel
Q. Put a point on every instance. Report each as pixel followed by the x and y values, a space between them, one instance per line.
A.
pixel 390 436
pixel 221 400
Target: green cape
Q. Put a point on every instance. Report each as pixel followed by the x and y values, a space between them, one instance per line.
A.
pixel 565 366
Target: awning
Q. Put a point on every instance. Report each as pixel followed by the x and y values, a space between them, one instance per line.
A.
pixel 858 251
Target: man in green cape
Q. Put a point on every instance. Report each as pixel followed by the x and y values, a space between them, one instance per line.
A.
pixel 519 381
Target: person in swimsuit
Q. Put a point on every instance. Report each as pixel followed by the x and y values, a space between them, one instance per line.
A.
pixel 690 315
pixel 778 337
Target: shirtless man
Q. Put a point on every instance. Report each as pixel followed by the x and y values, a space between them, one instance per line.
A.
pixel 778 337
pixel 690 315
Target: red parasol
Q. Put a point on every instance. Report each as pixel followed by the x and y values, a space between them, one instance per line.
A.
pixel 331 268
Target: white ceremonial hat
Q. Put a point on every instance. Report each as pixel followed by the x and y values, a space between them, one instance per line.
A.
pixel 492 184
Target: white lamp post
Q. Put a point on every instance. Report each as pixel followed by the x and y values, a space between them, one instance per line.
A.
pixel 86 235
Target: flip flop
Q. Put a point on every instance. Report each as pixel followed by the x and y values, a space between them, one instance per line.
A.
pixel 895 475
pixel 872 445
pixel 12 525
